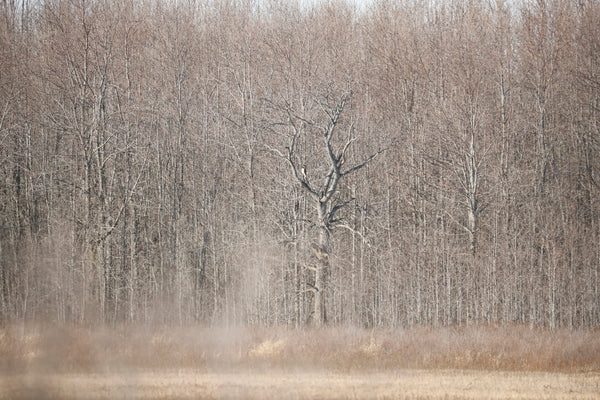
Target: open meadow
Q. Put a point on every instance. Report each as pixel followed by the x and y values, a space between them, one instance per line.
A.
pixel 333 363
pixel 274 384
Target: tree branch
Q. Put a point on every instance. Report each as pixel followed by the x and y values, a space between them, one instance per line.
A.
pixel 359 166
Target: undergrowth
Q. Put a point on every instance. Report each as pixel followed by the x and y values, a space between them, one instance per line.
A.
pixel 74 348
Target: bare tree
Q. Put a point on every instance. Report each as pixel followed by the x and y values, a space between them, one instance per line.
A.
pixel 322 185
pixel 137 177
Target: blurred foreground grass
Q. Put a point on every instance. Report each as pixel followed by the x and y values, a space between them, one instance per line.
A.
pixel 508 348
pixel 141 362
pixel 273 384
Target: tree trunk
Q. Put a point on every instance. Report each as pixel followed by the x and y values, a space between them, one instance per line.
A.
pixel 322 252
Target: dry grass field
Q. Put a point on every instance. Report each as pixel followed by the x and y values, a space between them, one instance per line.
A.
pixel 272 384
pixel 209 363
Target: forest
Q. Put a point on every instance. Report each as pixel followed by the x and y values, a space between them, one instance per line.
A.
pixel 279 163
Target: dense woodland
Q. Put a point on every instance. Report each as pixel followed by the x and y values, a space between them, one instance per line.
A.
pixel 270 162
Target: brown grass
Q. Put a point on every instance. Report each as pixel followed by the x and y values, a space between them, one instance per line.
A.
pixel 67 362
pixel 508 348
pixel 273 384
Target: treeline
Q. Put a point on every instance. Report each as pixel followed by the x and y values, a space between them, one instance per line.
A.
pixel 156 159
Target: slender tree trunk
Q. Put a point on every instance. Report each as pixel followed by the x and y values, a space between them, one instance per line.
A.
pixel 321 273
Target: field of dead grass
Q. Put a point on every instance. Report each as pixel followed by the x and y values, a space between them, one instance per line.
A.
pixel 272 384
pixel 418 363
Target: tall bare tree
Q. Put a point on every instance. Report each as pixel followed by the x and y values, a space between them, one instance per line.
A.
pixel 322 184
